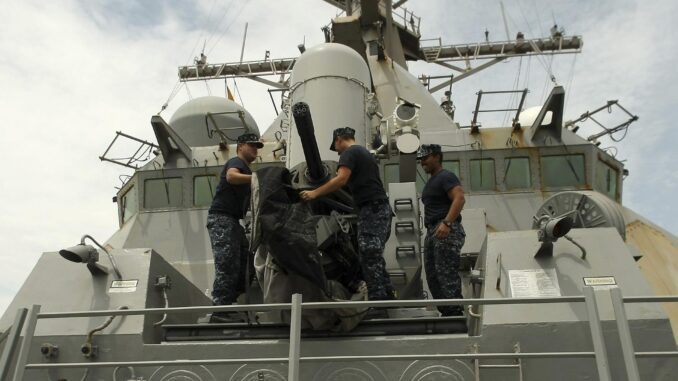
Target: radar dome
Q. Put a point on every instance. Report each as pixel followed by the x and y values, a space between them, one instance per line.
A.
pixel 204 121
pixel 529 115
pixel 330 59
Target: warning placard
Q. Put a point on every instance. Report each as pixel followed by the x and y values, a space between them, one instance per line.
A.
pixel 118 286
pixel 534 283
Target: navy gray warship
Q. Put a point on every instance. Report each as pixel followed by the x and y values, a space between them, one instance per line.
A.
pixel 560 280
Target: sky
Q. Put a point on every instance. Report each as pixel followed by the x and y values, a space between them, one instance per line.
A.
pixel 74 72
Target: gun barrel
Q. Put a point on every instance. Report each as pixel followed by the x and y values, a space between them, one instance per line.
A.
pixel 302 118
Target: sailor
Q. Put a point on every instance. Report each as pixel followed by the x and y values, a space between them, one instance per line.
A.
pixel 229 243
pixel 359 169
pixel 443 200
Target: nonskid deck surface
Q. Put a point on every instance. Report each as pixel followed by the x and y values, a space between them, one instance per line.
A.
pixel 373 327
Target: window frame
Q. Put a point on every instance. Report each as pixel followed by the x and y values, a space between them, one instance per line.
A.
pixel 605 165
pixel 507 159
pixel 131 187
pixel 493 160
pixel 193 189
pixel 182 183
pixel 583 185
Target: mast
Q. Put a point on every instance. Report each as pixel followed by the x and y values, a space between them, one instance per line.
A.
pixel 399 33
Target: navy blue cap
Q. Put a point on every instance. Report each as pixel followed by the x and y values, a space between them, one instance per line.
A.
pixel 428 149
pixel 343 131
pixel 250 138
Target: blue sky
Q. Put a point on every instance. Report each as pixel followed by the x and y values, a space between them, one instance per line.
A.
pixel 74 72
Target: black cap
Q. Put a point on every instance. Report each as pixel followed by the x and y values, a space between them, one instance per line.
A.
pixel 250 138
pixel 343 131
pixel 428 149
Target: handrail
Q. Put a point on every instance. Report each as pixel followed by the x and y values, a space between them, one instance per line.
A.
pixel 450 356
pixel 294 358
pixel 10 346
pixel 650 299
pixel 315 305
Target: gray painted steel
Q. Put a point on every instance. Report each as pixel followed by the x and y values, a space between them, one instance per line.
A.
pixel 597 335
pixel 516 330
pixel 24 350
pixel 624 335
pixel 11 343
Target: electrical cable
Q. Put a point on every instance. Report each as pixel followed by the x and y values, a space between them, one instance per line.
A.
pixel 221 19
pixel 242 7
pixel 568 87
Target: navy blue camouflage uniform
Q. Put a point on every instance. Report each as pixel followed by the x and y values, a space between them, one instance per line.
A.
pixel 374 229
pixel 374 219
pixel 229 243
pixel 441 261
pixel 442 256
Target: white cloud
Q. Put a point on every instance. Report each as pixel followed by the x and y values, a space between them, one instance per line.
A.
pixel 72 73
pixel 628 55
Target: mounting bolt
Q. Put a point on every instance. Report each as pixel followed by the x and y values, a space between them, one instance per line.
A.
pixel 49 350
pixel 88 350
pixel 163 282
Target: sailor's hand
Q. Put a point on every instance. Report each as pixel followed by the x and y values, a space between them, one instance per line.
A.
pixel 308 195
pixel 442 231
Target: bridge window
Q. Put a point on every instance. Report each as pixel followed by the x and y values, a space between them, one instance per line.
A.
pixel 452 166
pixel 606 179
pixel 563 170
pixel 482 174
pixel 160 193
pixel 130 204
pixel 517 173
pixel 204 188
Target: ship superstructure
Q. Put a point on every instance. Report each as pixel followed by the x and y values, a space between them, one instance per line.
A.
pixel 552 285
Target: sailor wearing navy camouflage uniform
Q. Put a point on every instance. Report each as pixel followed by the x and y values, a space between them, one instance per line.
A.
pixel 359 170
pixel 229 243
pixel 443 199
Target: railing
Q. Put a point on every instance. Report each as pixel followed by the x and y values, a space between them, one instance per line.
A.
pixel 29 319
pixel 401 16
pixel 504 49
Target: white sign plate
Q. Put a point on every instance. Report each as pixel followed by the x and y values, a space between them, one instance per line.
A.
pixel 118 286
pixel 534 283
pixel 600 281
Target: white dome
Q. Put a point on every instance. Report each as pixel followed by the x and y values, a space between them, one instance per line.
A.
pixel 330 59
pixel 333 80
pixel 529 115
pixel 191 121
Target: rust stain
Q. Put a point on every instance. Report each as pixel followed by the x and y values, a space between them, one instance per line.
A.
pixel 500 138
pixel 659 264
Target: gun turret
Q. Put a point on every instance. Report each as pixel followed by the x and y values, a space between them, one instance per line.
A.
pixel 316 172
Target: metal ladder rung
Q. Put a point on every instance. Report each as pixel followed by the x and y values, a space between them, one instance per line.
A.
pixel 403 202
pixel 404 225
pixel 408 250
pixel 398 276
pixel 432 55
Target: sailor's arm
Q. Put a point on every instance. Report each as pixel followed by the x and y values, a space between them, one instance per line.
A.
pixel 456 195
pixel 336 183
pixel 233 176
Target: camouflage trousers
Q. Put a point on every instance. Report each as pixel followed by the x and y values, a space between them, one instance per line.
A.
pixel 230 248
pixel 441 261
pixel 374 228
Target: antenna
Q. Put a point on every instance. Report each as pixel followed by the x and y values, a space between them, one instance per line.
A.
pixel 244 37
pixel 606 131
pixel 242 53
pixel 202 61
pixel 503 16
